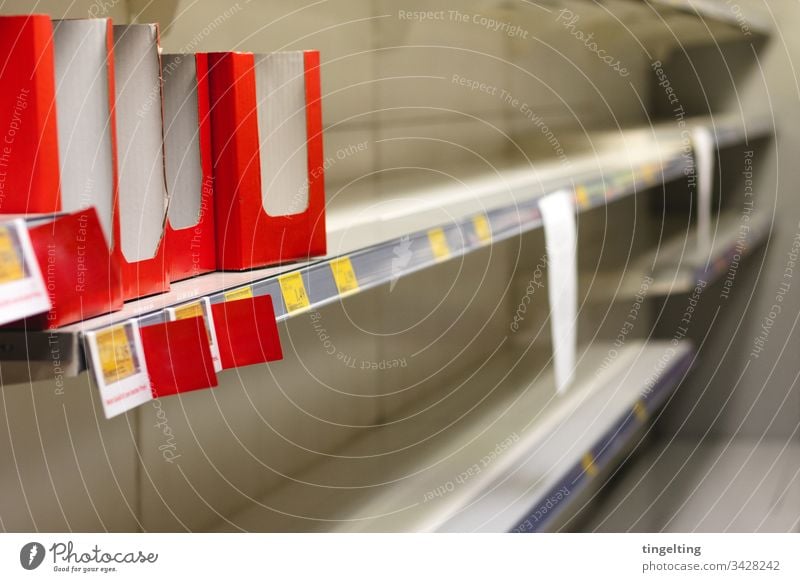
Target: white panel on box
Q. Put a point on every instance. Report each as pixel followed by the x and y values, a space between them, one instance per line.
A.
pixel 85 143
pixel 142 186
pixel 182 139
pixel 281 98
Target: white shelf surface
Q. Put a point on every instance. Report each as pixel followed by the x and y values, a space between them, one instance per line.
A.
pixel 387 479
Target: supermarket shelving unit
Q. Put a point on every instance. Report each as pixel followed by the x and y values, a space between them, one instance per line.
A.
pixel 550 444
pixel 618 165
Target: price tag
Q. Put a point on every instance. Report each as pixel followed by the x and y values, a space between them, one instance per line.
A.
pixel 242 293
pixel 439 246
pixel 640 411
pixel 116 358
pixel 649 173
pixel 560 235
pixel 294 292
pixel 344 275
pixel 587 463
pixel 22 289
pixel 582 197
pixel 483 229
pixel 201 308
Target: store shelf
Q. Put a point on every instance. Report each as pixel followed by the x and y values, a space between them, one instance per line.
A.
pixel 488 465
pixel 677 265
pixel 389 239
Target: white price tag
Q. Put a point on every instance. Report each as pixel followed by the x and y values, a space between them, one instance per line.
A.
pixel 200 308
pixel 22 289
pixel 703 146
pixel 560 233
pixel 116 358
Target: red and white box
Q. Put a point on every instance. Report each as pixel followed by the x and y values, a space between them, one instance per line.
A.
pixel 29 181
pixel 72 248
pixel 140 216
pixel 266 129
pixel 191 247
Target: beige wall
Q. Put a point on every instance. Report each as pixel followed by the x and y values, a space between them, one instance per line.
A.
pixel 116 9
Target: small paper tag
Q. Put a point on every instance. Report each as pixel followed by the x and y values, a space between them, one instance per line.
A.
pixel 201 308
pixel 294 292
pixel 22 290
pixel 344 275
pixel 703 144
pixel 439 246
pixel 116 358
pixel 483 229
pixel 241 293
pixel 558 217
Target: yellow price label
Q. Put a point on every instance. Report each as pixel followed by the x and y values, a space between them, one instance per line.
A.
pixel 117 358
pixel 11 265
pixel 294 291
pixel 193 310
pixel 582 196
pixel 189 311
pixel 482 228
pixel 587 462
pixel 236 294
pixel 344 275
pixel 640 411
pixel 649 173
pixel 439 246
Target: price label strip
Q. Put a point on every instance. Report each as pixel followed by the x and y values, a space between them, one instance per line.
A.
pixel 242 293
pixel 201 308
pixel 560 235
pixel 22 289
pixel 439 246
pixel 483 229
pixel 116 358
pixel 294 292
pixel 344 275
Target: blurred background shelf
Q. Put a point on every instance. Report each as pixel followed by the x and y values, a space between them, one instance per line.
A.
pixel 485 466
pixel 681 485
pixel 677 265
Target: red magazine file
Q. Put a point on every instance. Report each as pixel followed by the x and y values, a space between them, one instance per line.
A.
pixel 190 244
pixel 79 270
pixel 178 357
pixel 247 332
pixel 266 131
pixel 29 181
pixel 140 215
